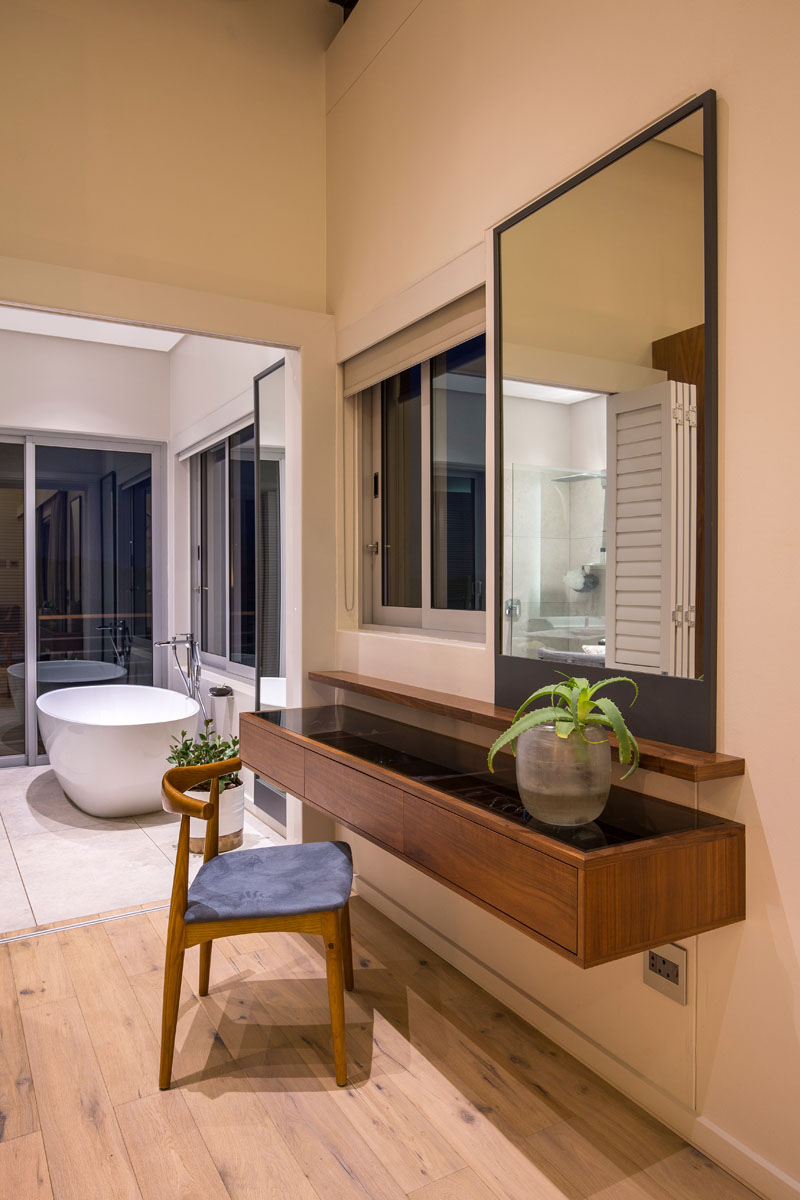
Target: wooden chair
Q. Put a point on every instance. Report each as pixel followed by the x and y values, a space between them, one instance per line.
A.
pixel 291 889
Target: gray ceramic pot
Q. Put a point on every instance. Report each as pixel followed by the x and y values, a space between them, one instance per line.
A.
pixel 563 781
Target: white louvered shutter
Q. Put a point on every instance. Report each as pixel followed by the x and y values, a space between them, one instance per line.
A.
pixel 651 529
pixel 639 495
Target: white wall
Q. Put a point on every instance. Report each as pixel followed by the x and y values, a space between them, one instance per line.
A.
pixel 211 388
pixel 207 375
pixel 526 94
pixel 53 384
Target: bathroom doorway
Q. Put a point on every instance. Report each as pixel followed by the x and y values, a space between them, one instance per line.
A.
pixel 78 564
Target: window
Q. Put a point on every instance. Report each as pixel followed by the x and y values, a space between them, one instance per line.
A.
pixel 424 510
pixel 224 541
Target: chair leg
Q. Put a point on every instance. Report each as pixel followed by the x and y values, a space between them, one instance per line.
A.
pixel 205 967
pixel 347 948
pixel 173 974
pixel 333 965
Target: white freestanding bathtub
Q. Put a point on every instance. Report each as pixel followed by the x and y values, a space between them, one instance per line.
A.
pixel 108 745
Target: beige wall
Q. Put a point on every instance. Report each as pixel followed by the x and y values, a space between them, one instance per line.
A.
pixel 612 265
pixel 445 116
pixel 140 182
pixel 179 142
pixel 164 163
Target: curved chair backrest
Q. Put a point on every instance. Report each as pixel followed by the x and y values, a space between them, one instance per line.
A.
pixel 173 786
pixel 180 779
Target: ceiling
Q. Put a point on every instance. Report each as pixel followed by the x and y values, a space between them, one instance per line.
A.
pixel 347 6
pixel 82 329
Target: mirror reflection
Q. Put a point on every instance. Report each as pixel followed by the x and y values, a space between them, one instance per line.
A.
pixel 602 344
pixel 269 592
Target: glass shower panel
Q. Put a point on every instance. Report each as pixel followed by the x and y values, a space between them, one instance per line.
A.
pixel 94 585
pixel 12 601
pixel 554 555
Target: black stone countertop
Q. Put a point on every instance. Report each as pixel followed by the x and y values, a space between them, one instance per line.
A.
pixel 459 770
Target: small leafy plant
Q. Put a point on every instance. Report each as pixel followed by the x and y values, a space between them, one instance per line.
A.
pixel 207 747
pixel 573 707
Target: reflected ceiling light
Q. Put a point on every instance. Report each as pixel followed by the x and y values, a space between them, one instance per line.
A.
pixel 546 391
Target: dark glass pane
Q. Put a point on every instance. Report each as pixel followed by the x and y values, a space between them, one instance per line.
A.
pixel 458 477
pixel 242 548
pixel 213 564
pixel 458 769
pixel 93 567
pixel 12 602
pixel 401 481
pixel 269 590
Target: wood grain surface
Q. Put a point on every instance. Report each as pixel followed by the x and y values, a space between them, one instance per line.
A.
pixel 677 761
pixel 452 1095
pixel 359 800
pixel 591 906
pixel 538 891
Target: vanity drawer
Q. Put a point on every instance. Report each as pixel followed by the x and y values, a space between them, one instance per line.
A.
pixel 356 799
pixel 533 888
pixel 273 756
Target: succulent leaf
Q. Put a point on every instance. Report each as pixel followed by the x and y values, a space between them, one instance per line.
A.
pixel 628 746
pixel 604 683
pixel 542 716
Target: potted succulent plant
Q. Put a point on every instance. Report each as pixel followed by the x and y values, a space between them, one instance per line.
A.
pixel 563 758
pixel 210 747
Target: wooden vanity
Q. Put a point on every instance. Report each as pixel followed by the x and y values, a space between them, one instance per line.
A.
pixel 647 872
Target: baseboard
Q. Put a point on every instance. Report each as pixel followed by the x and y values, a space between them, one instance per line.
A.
pixel 740 1161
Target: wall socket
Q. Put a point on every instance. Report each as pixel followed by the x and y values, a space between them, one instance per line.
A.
pixel 666 969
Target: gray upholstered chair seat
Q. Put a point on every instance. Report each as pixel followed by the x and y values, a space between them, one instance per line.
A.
pixel 275 881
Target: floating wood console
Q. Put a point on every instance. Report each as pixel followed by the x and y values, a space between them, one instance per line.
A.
pixel 646 872
pixel 678 761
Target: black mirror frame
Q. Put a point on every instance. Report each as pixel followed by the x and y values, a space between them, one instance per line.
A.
pixel 669 709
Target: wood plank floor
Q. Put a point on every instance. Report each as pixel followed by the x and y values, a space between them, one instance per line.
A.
pixel 451 1096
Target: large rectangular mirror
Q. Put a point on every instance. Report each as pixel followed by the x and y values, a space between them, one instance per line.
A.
pixel 606 438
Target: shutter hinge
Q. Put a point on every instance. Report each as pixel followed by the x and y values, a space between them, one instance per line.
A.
pixel 677 615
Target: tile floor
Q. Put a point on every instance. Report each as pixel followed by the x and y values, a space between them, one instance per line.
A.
pixel 58 863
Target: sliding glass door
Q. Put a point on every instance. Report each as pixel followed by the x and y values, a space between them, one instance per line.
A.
pixel 224 541
pixel 12 600
pixel 76 575
pixel 94 593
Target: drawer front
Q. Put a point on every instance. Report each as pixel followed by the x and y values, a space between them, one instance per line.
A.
pixel 356 799
pixel 646 900
pixel 272 756
pixel 531 887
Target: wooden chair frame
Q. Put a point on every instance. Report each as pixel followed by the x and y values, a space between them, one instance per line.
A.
pixel 333 925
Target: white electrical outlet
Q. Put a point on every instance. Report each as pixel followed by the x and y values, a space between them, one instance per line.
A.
pixel 666 970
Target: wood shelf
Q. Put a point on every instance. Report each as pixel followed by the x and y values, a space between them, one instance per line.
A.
pixel 654 873
pixel 696 766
